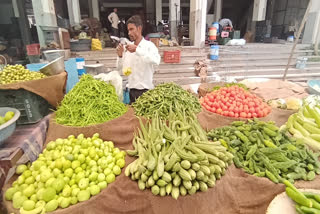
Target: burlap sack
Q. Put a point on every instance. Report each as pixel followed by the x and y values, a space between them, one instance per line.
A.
pixel 205 88
pixel 276 89
pixel 236 193
pixel 51 88
pixel 209 120
pixel 119 130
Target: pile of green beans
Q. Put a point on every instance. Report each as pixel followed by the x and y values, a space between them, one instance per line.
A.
pixel 90 102
pixel 262 149
pixel 163 98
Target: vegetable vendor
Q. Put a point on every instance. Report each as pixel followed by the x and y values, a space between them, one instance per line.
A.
pixel 137 59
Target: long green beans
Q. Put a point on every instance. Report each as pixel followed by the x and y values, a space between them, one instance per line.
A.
pixel 163 98
pixel 90 102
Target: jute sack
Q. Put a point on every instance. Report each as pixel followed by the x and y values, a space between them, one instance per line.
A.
pixel 51 88
pixel 119 131
pixel 235 193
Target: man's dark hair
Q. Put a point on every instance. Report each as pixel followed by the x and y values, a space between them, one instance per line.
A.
pixel 136 20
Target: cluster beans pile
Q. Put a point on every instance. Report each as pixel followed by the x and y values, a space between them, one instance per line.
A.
pixel 261 149
pixel 17 73
pixel 90 102
pixel 67 172
pixel 176 158
pixel 163 98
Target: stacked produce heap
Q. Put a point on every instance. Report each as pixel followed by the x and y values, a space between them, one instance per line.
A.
pixel 163 97
pixel 234 100
pixel 262 149
pixel 17 73
pixel 305 124
pixel 67 172
pixel 90 102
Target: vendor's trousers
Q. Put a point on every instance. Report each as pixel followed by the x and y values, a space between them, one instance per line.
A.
pixel 115 32
pixel 135 93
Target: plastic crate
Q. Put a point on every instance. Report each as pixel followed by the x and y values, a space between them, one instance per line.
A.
pixel 223 41
pixel 31 106
pixel 81 45
pixel 172 56
pixel 33 49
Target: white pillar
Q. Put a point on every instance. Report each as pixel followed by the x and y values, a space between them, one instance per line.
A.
pixel 313 24
pixel 158 11
pixel 95 9
pixel 217 10
pixel 259 10
pixel 74 12
pixel 174 17
pixel 197 23
pixel 45 16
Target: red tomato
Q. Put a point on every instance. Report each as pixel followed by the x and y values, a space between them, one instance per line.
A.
pixel 243 114
pixel 215 104
pixel 211 98
pixel 226 113
pixel 219 111
pixel 231 114
pixel 236 115
pixel 249 115
pixel 224 108
pixel 206 99
pixel 236 110
pixel 252 110
pixel 213 109
pixel 260 114
pixel 254 115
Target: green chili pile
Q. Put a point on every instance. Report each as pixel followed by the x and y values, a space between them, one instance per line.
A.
pixel 90 102
pixel 163 98
pixel 263 150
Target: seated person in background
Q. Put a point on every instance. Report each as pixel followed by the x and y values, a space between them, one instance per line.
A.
pixel 225 23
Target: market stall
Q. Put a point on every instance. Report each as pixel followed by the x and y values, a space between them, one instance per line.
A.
pixel 222 153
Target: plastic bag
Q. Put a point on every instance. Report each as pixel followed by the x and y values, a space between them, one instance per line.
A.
pixel 96 45
pixel 236 42
pixel 115 79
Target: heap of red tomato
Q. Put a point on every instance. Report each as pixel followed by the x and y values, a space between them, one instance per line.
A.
pixel 235 102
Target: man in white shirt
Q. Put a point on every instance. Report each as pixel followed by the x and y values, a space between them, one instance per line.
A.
pixel 140 55
pixel 114 20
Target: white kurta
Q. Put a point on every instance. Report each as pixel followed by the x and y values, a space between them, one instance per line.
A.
pixel 114 19
pixel 141 63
